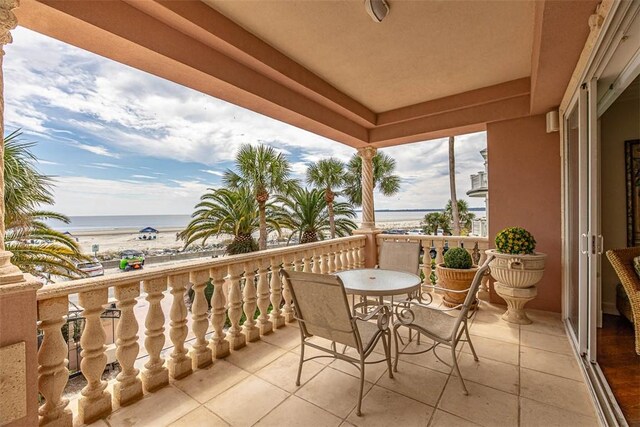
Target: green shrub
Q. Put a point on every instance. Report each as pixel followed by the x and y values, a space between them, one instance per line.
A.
pixel 515 240
pixel 457 258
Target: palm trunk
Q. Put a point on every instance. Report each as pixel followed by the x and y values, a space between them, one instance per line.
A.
pixel 452 183
pixel 262 240
pixel 332 221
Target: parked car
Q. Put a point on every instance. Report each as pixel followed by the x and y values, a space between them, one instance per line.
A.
pixel 131 260
pixel 415 232
pixel 394 231
pixel 91 268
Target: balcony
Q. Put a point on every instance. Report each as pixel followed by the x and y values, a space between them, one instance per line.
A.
pixel 193 368
pixel 479 185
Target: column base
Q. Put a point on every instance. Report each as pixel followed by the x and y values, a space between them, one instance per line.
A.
pixel 94 409
pixel 202 359
pixel 126 394
pixel 516 299
pixel 251 333
pixel 237 342
pixel 265 328
pixel 9 273
pixel 65 419
pixel 289 317
pixel 180 368
pixel 277 322
pixel 220 349
pixel 152 381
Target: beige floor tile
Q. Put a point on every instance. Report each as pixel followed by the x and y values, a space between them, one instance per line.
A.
pixel 286 338
pixel 556 391
pixel 298 412
pixel 501 332
pixel 204 384
pixel 536 414
pixel 488 348
pixel 99 423
pixel 200 417
pixel 554 343
pixel 502 376
pixel 382 407
pixel 484 405
pixel 255 356
pixel 174 404
pixel 283 371
pixel 346 424
pixel 445 419
pixel 372 372
pixel 489 316
pixel 562 365
pixel 416 382
pixel 544 323
pixel 246 402
pixel 333 391
pixel 428 359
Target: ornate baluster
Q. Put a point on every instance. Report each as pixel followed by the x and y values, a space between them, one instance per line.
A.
pixel 128 389
pixel 337 259
pixel 52 363
pixel 234 334
pixel 426 260
pixel 307 261
pixel 276 294
pixel 297 263
pixel 475 253
pixel 200 353
pixel 482 247
pixel 287 312
pixel 264 324
pixel 249 329
pixel 95 402
pixel 219 345
pixel 439 247
pixel 361 256
pixel 324 262
pixel 351 256
pixel 154 375
pixel 180 364
pixel 316 261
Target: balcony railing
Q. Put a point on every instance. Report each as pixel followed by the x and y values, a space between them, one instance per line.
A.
pixel 479 181
pixel 242 284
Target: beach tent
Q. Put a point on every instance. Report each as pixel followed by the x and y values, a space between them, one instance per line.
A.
pixel 148 233
pixel 66 233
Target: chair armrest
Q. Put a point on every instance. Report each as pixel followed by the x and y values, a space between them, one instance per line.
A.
pixel 383 314
pixel 440 288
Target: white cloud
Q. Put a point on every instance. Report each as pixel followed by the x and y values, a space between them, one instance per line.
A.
pixel 212 172
pixel 144 176
pixel 48 162
pixel 96 149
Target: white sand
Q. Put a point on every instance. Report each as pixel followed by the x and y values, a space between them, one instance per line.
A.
pixel 119 240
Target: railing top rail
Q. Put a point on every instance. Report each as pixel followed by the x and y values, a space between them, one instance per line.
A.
pixel 94 283
pixel 410 237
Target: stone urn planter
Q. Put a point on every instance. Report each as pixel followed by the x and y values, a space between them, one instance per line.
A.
pixel 516 274
pixel 457 280
pixel 456 273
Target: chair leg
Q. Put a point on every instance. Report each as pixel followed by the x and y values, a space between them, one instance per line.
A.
pixel 387 350
pixel 395 338
pixel 473 350
pixel 359 409
pixel 300 365
pixel 455 366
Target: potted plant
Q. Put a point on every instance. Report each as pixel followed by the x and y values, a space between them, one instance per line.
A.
pixel 456 273
pixel 517 267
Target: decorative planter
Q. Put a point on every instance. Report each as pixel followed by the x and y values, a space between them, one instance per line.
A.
pixel 457 280
pixel 516 276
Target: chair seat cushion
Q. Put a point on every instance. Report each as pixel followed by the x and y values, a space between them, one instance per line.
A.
pixel 436 322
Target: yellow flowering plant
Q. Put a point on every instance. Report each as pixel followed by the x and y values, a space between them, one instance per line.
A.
pixel 515 240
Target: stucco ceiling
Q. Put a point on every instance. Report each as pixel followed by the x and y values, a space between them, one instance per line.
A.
pixel 423 50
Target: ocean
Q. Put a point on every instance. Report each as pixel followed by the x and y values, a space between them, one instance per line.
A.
pixel 120 222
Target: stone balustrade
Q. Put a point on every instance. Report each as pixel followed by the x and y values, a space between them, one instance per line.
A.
pixel 434 248
pixel 242 284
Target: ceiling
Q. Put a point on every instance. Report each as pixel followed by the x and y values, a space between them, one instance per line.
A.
pixel 423 50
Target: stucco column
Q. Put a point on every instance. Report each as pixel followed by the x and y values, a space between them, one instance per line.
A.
pixel 368 213
pixel 18 310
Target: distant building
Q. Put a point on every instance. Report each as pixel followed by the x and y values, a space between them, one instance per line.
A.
pixel 480 188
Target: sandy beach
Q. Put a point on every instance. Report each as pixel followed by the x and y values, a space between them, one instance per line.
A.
pixel 117 240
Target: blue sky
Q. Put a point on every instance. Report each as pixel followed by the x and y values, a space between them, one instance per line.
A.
pixel 120 141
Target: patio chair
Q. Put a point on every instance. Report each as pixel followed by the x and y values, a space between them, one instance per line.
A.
pixel 321 309
pixel 400 256
pixel 437 324
pixel 622 262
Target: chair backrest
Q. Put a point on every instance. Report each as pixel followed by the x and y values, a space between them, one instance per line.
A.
pixel 473 290
pixel 622 262
pixel 321 306
pixel 400 256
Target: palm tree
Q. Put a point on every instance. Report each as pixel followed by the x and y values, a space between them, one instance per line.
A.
pixel 383 177
pixel 263 172
pixel 36 248
pixel 434 221
pixel 306 214
pixel 327 175
pixel 455 217
pixel 232 212
pixel 465 216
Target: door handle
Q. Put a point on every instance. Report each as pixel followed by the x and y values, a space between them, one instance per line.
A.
pixel 584 251
pixel 600 248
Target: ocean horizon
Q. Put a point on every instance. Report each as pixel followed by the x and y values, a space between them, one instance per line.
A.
pixel 120 222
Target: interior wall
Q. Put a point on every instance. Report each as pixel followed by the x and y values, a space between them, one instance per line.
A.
pixel 524 187
pixel 621 122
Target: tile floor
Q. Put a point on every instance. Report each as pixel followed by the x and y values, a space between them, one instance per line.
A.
pixel 526 376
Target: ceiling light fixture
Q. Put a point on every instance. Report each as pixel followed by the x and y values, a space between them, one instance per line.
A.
pixel 377 9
